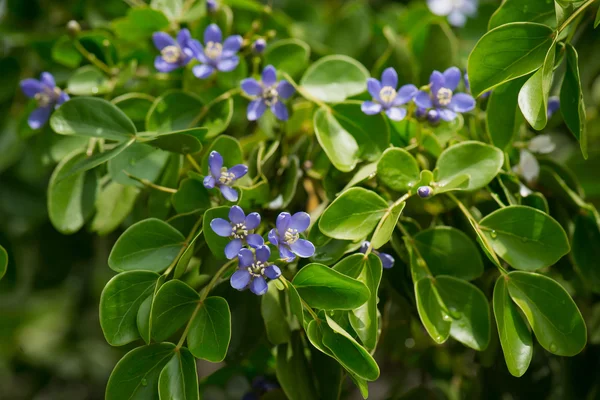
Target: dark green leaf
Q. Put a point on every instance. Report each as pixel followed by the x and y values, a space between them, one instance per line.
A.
pixel 441 47
pixel 3 261
pixel 174 304
pixel 288 55
pixel 398 170
pixel 503 115
pixel 328 375
pixel 296 304
pixel 571 99
pixel 522 11
pixel 333 79
pixel 113 205
pixel 210 330
pixel 144 320
pixel 293 371
pixel 290 178
pixel 139 160
pixel 585 253
pixel 191 196
pixel 179 379
pixel 272 310
pixel 436 321
pixel 339 145
pixel 135 106
pixel 533 97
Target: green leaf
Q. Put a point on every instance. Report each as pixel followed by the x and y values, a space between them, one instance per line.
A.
pixel 289 183
pixel 144 320
pixel 113 205
pixel 434 319
pixel 353 215
pixel 597 20
pixel 135 106
pixel 398 170
pixel 533 97
pixel 229 148
pixel 288 55
pixel 188 141
pixel 367 171
pixel 503 115
pixel 328 250
pixel 71 200
pixel 572 106
pixel 174 304
pixel 348 352
pixel 449 251
pixel 215 242
pixel 328 375
pixel 296 304
pixel 136 375
pixel 271 308
pixel 478 161
pixel 179 379
pixel 139 160
pixel 171 8
pixel 139 24
pixel 441 47
pixel 524 237
pixel 385 229
pixel 333 79
pixel 585 254
pixel 506 53
pixel 468 309
pixel 550 311
pixel 90 116
pixel 119 303
pixel 185 258
pixel 255 196
pixel 210 330
pixel 87 81
pixel 515 337
pixel 324 288
pixel 293 370
pixel 522 11
pixel 339 145
pixel 148 245
pixel 65 53
pixel 190 197
pixel 3 261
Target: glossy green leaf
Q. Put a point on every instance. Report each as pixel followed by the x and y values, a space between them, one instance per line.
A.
pixel 353 215
pixel 385 229
pixel 288 55
pixel 136 375
pixel 139 24
pixel 503 116
pixel 367 171
pixel 296 304
pixel 398 170
pixel 333 79
pixel 149 245
pixel 339 145
pixel 144 320
pixel 255 196
pixel 139 160
pixel 522 11
pixel 215 242
pixel 507 52
pixel 328 250
pixel 524 237
pixel 87 81
pixel 210 330
pixel 179 378
pixel 293 370
pixel 550 311
pixel 3 261
pixel 585 253
pixel 190 197
pixel 515 336
pixel 572 106
pixel 135 106
pixel 468 309
pixel 113 205
pixel 328 373
pixel 272 310
pixel 435 320
pixel 174 304
pixel 184 142
pixel 441 48
pixel 533 97
pixel 289 183
pixel 94 117
pixel 449 251
pixel 119 303
pixel 324 288
pixel 478 161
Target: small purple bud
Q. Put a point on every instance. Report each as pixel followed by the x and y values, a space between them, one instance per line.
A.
pixel 259 45
pixel 420 113
pixel 424 192
pixel 433 116
pixel 211 5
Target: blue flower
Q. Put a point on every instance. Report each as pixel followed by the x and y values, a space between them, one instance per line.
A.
pixel 253 269
pixel 267 93
pixel 553 105
pixel 174 54
pixel 47 96
pixel 385 97
pixel 441 97
pixel 424 191
pixel 484 95
pixel 456 10
pixel 286 236
pixel 387 261
pixel 238 228
pixel 217 55
pixel 211 6
pixel 259 46
pixel 222 177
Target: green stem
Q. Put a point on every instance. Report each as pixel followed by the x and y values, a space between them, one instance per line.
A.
pixel 193 162
pixel 574 15
pixel 303 92
pixel 382 220
pixel 415 249
pixel 186 243
pixel 308 308
pixel 150 184
pixel 92 57
pixel 204 110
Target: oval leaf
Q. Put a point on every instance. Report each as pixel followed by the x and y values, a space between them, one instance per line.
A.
pixel 288 55
pixel 293 370
pixel 339 145
pixel 572 106
pixel 173 306
pixel 333 79
pixel 398 170
pixel 533 97
pixel 434 319
pixel 179 379
pixel 210 330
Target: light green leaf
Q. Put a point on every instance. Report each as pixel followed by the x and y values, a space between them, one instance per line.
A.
pixel 398 170
pixel 210 330
pixel 139 24
pixel 339 145
pixel 572 106
pixel 293 370
pixel 333 79
pixel 113 205
pixel 503 116
pixel 139 160
pixel 271 308
pixel 533 97
pixel 296 304
pixel 435 320
pixel 171 8
pixel 522 11
pixel 87 81
pixel 179 378
pixel 385 229
pixel 188 141
pixel 174 304
pixel 288 55
pixel 367 171
pixel 185 258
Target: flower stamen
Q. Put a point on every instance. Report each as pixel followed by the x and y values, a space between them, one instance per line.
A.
pixel 213 50
pixel 257 269
pixel 226 177
pixel 239 231
pixel 291 236
pixel 387 94
pixel 270 96
pixel 444 96
pixel 171 54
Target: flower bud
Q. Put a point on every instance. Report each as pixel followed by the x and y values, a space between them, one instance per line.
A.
pixel 433 116
pixel 259 45
pixel 211 6
pixel 424 191
pixel 73 28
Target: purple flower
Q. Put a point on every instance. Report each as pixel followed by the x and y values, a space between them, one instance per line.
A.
pixel 553 105
pixel 441 97
pixel 216 54
pixel 424 191
pixel 387 261
pixel 267 93
pixel 47 96
pixel 211 6
pixel 174 54
pixel 253 268
pixel 484 95
pixel 222 177
pixel 385 97
pixel 456 10
pixel 259 46
pixel 286 236
pixel 238 228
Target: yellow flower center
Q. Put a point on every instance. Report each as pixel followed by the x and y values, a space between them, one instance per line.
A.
pixel 444 96
pixel 291 236
pixel 270 96
pixel 239 231
pixel 257 269
pixel 213 50
pixel 226 177
pixel 171 54
pixel 387 94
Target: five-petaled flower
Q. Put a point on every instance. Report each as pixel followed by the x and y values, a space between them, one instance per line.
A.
pixel 441 97
pixel 216 54
pixel 267 93
pixel 456 10
pixel 253 269
pixel 286 236
pixel 47 96
pixel 174 53
pixel 222 177
pixel 387 261
pixel 238 228
pixel 385 96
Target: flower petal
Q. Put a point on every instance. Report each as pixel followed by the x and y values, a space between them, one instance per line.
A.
pixel 228 64
pixel 31 87
pixel 221 227
pixel 229 193
pixel 280 111
pixel 238 170
pixel 457 18
pixel 387 261
pixel 300 221
pixel 285 89
pixel 183 37
pixel 389 77
pixel 440 7
pixel 462 102
pixel 303 248
pixel 209 182
pixel 212 33
pixel 396 113
pixel 240 279
pixel 446 114
pixel 370 107
pixel 272 272
pixel 269 75
pixel 437 81
pixel 423 100
pixel 63 97
pixel 273 239
pixel 245 258
pixel 256 109
pixel 232 45
pixel 236 215
pixel 263 253
pixel 162 40
pixel 252 221
pixel 39 117
pixel 251 87
pixel 405 94
pixel 374 87
pixel 452 78
pixel 47 79
pixel 255 240
pixel 258 286
pixel 233 248
pixel 286 253
pixel 202 71
pixel 215 163
pixel 282 223
pixel 162 66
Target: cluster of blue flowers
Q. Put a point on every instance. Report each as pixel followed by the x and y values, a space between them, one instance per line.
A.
pixel 436 101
